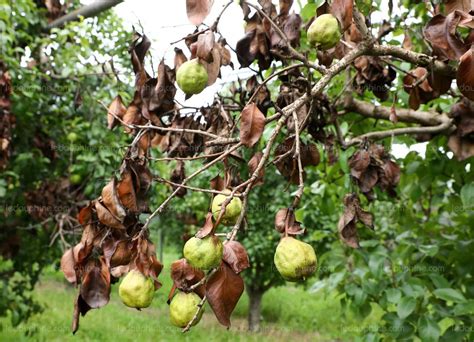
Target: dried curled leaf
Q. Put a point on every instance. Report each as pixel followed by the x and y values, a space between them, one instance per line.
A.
pixel 197 10
pixel 352 214
pixel 223 291
pixel 184 276
pixel 116 110
pixel 252 125
pixel 236 256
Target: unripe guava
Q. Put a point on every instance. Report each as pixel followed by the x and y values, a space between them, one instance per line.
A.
pixel 294 259
pixel 232 210
pixel 75 179
pixel 183 307
pixel 136 290
pixel 324 33
pixel 72 137
pixel 203 253
pixel 192 77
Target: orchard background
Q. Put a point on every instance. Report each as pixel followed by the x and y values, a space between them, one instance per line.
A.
pixel 106 166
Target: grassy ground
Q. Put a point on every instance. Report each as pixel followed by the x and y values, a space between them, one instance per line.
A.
pixel 288 313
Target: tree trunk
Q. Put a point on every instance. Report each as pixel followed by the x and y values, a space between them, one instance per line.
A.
pixel 255 301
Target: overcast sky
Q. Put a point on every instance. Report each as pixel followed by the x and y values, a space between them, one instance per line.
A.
pixel 166 21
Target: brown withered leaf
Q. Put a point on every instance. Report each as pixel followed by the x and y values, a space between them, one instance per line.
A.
pixel 285 162
pixel 205 45
pixel 140 46
pixel 253 163
pixel 106 217
pixel 461 5
pixel 461 141
pixel 69 261
pixel 407 42
pixel 465 74
pixel 184 276
pixel 285 6
pixel 111 200
pixel 309 154
pixel 208 227
pixel 213 67
pixel 352 214
pixel 440 31
pixel 236 256
pixel 116 109
pixel 223 291
pixel 126 191
pixel 252 123
pixel 122 254
pixel 179 58
pixel 197 10
pixel 217 183
pixel 84 215
pixel 95 286
pixel 80 309
pixel 342 10
pixel 280 220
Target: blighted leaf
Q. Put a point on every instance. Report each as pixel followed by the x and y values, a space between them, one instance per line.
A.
pixel 84 215
pixel 353 213
pixel 111 200
pixel 126 191
pixel 252 125
pixel 460 5
pixel 465 75
pixel 281 219
pixel 285 6
pixel 95 286
pixel 223 291
pixel 236 256
pixel 197 10
pixel 116 109
pixel 342 10
pixel 217 183
pixel 213 67
pixel 80 309
pixel 204 46
pixel 122 254
pixel 441 33
pixel 208 227
pixel 179 58
pixel 106 217
pixel 68 262
pixel 184 276
pixel 253 163
pixel 178 176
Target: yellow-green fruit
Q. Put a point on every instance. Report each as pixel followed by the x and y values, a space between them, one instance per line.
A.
pixel 75 179
pixel 183 307
pixel 136 290
pixel 294 259
pixel 324 32
pixel 192 77
pixel 204 253
pixel 232 210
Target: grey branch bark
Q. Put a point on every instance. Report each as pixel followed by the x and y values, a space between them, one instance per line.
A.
pixel 91 10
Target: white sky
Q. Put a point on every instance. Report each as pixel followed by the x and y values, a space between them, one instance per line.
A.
pixel 166 21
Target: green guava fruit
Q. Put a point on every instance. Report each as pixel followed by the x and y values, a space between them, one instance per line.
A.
pixel 72 137
pixel 324 33
pixel 204 253
pixel 183 307
pixel 136 290
pixel 294 259
pixel 232 210
pixel 75 179
pixel 192 77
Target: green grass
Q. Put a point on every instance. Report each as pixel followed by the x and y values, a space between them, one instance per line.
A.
pixel 288 313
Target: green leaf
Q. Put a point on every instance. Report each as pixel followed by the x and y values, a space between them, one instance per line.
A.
pixel 466 308
pixel 449 295
pixel 428 329
pixel 467 195
pixel 393 295
pixel 405 307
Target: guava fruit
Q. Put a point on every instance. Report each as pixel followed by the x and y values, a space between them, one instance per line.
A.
pixel 324 33
pixel 72 137
pixel 203 253
pixel 183 307
pixel 192 77
pixel 75 179
pixel 294 259
pixel 136 290
pixel 232 210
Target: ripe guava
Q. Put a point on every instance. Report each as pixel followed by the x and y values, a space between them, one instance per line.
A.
pixel 294 259
pixel 136 290
pixel 232 210
pixel 204 253
pixel 324 33
pixel 183 307
pixel 192 77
